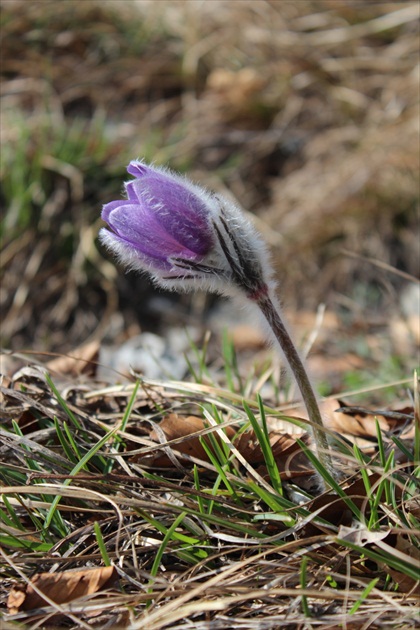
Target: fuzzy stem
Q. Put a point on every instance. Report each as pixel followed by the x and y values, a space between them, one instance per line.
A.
pixel 272 316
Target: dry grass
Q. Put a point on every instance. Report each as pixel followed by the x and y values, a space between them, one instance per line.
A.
pixel 200 542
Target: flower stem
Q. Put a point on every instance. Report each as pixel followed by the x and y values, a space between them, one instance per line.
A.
pixel 272 316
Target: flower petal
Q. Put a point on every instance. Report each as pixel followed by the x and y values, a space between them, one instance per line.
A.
pixel 179 212
pixel 130 255
pixel 109 207
pixel 139 169
pixel 140 228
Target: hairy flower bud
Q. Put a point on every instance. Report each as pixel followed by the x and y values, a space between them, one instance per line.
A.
pixel 184 236
pixel 187 238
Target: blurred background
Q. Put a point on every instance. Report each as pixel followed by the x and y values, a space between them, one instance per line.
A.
pixel 305 113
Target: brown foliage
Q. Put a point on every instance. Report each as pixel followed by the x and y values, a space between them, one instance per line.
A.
pixel 60 588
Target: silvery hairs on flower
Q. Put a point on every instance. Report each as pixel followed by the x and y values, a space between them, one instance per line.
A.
pixel 183 236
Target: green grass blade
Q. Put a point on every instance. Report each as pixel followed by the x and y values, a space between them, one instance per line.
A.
pixel 69 449
pixel 166 539
pixel 220 448
pixel 381 447
pixel 270 461
pixel 365 594
pixel 331 481
pixel 231 364
pixel 273 502
pixel 118 442
pixel 79 466
pixel 364 473
pixel 13 542
pixel 11 518
pixel 32 464
pixel 201 356
pixel 403 448
pixel 264 442
pixel 214 490
pixel 101 544
pixel 214 460
pixel 197 486
pixel 303 584
pixel 63 403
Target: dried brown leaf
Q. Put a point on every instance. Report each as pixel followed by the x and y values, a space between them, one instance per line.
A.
pixel 59 587
pixel 81 360
pixel 334 509
pixel 362 422
pixel 290 459
pixel 28 421
pixel 282 444
pixel 182 428
pixel 356 422
pixel 288 455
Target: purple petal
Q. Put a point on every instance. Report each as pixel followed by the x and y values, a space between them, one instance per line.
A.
pixel 177 209
pixel 126 249
pixel 180 210
pixel 139 228
pixel 109 207
pixel 138 169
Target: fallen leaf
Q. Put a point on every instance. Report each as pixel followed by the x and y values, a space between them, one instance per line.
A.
pixel 355 421
pixel 361 535
pixel 82 360
pixel 343 418
pixel 282 444
pixel 59 587
pixel 181 428
pixel 333 509
pixel 289 457
pixel 28 421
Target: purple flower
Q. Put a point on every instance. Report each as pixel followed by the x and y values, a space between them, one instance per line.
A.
pixel 187 238
pixel 182 235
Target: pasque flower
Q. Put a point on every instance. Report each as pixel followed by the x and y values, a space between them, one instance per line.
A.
pixel 182 235
pixel 186 238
